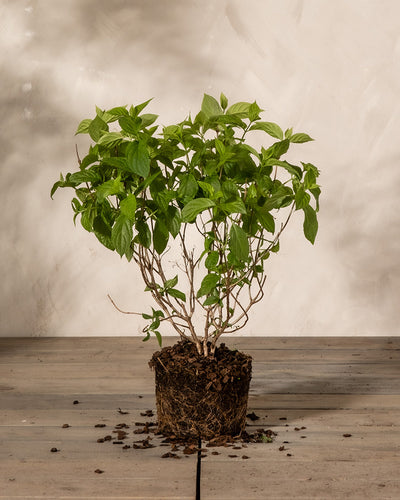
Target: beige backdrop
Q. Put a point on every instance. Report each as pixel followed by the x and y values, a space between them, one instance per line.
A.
pixel 329 68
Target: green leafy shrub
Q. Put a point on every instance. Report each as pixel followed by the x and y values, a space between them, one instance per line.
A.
pixel 142 192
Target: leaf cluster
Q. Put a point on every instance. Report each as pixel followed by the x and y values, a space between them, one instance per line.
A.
pixel 140 186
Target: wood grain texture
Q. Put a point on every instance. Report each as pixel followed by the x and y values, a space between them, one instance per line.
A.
pixel 310 391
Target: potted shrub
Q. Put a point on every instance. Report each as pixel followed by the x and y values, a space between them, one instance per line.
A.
pixel 200 210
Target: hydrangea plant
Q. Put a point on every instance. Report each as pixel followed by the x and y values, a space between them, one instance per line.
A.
pixel 146 192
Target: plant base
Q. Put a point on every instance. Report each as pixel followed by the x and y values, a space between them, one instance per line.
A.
pixel 198 396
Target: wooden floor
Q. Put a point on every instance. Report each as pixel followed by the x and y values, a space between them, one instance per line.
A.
pixel 311 391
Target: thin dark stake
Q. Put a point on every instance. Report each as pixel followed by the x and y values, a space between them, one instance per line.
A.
pixel 198 472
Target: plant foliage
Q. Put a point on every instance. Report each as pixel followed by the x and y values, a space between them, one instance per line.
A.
pixel 139 190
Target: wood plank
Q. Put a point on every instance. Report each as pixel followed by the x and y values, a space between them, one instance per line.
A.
pixel 330 386
pixel 294 478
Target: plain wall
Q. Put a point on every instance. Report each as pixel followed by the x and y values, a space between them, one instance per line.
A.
pixel 327 68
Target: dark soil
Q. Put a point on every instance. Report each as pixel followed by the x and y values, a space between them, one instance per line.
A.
pixel 201 396
pixel 180 448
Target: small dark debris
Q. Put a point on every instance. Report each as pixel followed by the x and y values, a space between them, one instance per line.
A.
pixel 286 442
pixel 76 402
pixel 107 438
pixel 190 449
pixel 65 426
pixel 245 457
pixel 252 416
pixel 99 471
pixel 100 440
pixel 297 428
pixel 143 444
pixel 302 428
pixel 126 447
pixel 303 437
pixel 170 455
pixel 122 426
pixel 54 450
pixel 140 397
pixel 346 435
pixel 100 425
pixel 147 413
pixel 281 448
pixel 237 448
pixel 288 454
pixel 232 456
pixel 118 442
pixel 282 418
pixel 215 453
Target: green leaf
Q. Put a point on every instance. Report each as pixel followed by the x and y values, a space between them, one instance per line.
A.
pixel 90 176
pixel 302 198
pixel 210 106
pixel 83 127
pixel 229 120
pixel 118 111
pixel 275 248
pixel 310 225
pixel 159 338
pixel 224 101
pixel 219 146
pixel 148 119
pixel 234 207
pixel 270 128
pixel 240 109
pixel 266 220
pixel 87 218
pixel 96 128
pixel 56 185
pixel 188 188
pixel 130 125
pixel 277 149
pixel 144 234
pixel 140 107
pixel 110 139
pixel 211 300
pixel 238 243
pixel 195 207
pixel 207 188
pixel 229 190
pixel 208 284
pixel 160 236
pixel 115 161
pixel 299 138
pixel 105 240
pixel 88 160
pixel 171 132
pixel 254 111
pixel 173 221
pixel 128 207
pixel 176 293
pixel 292 169
pixel 288 133
pixel 212 260
pixel 121 234
pixel 138 159
pixel 171 283
pixel 109 188
pixel 316 191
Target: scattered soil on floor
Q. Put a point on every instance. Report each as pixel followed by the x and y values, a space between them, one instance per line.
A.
pixel 121 435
